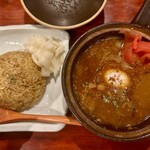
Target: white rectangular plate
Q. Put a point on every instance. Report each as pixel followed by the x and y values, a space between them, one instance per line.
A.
pixel 53 103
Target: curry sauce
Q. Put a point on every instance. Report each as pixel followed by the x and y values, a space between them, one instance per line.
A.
pixel 108 89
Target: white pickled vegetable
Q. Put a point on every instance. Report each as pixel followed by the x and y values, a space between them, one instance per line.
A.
pixel 46 53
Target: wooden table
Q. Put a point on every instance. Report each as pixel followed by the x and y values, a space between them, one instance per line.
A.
pixel 71 137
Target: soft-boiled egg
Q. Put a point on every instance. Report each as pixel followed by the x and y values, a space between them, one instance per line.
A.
pixel 117 78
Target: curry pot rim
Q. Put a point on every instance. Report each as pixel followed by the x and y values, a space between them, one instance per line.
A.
pixel 68 91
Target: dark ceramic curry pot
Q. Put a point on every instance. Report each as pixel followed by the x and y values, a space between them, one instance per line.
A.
pixel 140 24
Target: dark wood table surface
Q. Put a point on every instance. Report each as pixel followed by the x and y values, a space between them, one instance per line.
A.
pixel 70 137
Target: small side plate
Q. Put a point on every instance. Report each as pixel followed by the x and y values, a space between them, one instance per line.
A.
pixel 52 103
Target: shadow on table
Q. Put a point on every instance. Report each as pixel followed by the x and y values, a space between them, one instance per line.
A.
pixel 143 144
pixel 84 139
pixel 76 33
pixel 14 140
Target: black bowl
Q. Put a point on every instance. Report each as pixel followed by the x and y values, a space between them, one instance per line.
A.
pixel 63 14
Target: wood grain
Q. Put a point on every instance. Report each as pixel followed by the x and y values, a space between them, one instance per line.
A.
pixel 71 137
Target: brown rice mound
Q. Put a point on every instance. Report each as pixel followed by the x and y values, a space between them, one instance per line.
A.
pixel 21 83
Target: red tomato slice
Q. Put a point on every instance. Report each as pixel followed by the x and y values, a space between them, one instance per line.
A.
pixel 128 54
pixel 143 46
pixel 134 48
pixel 145 57
pixel 129 36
